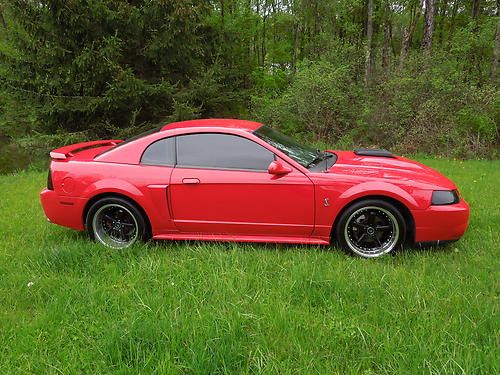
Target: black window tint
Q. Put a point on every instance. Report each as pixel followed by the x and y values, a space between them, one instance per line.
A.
pixel 161 152
pixel 221 151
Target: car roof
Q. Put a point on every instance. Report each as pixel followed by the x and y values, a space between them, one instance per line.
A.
pixel 249 126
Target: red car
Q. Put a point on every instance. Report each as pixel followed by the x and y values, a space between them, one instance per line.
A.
pixel 235 180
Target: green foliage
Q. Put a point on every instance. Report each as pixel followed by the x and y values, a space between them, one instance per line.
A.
pixel 322 100
pixel 414 110
pixel 110 67
pixel 83 63
pixel 434 111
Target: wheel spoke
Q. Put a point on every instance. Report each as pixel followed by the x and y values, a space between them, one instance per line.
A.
pixel 123 236
pixel 360 239
pixel 372 231
pixel 115 226
pixel 359 225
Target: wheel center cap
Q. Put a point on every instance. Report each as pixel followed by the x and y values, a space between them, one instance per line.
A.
pixel 370 231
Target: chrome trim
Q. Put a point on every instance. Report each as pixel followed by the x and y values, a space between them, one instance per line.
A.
pixel 386 247
pixel 100 234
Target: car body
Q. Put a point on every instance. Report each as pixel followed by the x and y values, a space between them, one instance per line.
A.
pixel 236 180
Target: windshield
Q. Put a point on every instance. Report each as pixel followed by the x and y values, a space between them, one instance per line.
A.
pixel 304 155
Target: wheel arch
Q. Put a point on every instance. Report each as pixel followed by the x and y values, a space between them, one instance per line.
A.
pixel 132 201
pixel 405 211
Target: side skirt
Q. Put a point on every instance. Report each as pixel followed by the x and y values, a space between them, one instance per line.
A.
pixel 237 238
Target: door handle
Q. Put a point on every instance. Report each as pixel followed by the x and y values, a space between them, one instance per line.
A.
pixel 190 181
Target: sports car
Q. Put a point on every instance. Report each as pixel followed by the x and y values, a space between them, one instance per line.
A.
pixel 236 180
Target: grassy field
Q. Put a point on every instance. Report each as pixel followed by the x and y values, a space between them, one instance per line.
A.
pixel 70 306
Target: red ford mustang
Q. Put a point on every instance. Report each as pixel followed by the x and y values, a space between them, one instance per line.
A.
pixel 242 181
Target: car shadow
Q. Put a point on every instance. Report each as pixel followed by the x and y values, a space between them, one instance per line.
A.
pixel 430 247
pixel 179 245
pixel 241 246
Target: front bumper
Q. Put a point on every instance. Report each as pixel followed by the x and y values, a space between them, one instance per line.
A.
pixel 62 210
pixel 441 223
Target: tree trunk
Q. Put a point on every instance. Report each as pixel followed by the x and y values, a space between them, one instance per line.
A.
pixel 407 34
pixel 428 26
pixel 2 19
pixel 369 37
pixel 453 23
pixel 496 50
pixel 441 22
pixel 222 11
pixel 294 45
pixel 476 9
pixel 264 29
pixel 316 30
pixel 386 56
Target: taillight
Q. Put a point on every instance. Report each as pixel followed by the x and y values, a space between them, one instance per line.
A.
pixel 50 185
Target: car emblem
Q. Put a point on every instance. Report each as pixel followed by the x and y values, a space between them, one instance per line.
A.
pixel 326 202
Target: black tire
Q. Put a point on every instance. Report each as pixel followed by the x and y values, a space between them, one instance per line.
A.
pixel 116 223
pixel 370 228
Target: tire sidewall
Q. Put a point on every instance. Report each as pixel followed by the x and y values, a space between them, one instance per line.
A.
pixel 342 222
pixel 142 231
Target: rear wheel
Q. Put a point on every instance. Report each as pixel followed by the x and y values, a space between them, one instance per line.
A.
pixel 371 228
pixel 115 223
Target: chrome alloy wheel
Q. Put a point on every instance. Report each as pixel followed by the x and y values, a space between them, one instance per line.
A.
pixel 371 231
pixel 115 226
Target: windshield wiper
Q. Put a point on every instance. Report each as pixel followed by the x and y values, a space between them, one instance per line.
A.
pixel 319 158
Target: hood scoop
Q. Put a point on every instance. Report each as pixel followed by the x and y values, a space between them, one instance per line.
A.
pixel 373 152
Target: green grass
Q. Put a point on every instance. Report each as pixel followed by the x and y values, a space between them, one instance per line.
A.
pixel 70 306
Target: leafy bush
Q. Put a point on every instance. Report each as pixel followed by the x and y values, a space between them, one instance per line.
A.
pixel 322 101
pixel 428 110
pixel 417 109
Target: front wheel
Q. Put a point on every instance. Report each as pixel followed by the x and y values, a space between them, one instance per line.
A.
pixel 115 223
pixel 371 228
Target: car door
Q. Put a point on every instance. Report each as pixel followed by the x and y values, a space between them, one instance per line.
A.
pixel 220 185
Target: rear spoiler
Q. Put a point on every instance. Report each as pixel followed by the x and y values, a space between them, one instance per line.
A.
pixel 68 151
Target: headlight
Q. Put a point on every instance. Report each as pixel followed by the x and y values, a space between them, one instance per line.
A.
pixel 443 197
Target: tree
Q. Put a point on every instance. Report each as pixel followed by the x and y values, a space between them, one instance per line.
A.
pixel 496 48
pixel 112 66
pixel 408 31
pixel 428 26
pixel 79 65
pixel 369 40
pixel 387 36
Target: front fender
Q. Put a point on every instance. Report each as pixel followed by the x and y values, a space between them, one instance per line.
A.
pixel 380 189
pixel 327 214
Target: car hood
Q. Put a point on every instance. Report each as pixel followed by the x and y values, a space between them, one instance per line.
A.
pixel 395 169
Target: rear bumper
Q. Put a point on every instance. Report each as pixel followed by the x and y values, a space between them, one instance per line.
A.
pixel 62 210
pixel 441 223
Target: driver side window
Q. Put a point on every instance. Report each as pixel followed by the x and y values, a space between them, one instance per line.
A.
pixel 221 151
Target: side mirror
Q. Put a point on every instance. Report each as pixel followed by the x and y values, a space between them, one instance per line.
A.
pixel 277 168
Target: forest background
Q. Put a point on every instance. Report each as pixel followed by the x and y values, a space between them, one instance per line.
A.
pixel 413 76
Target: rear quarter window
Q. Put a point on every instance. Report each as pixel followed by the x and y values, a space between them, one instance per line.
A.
pixel 161 152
